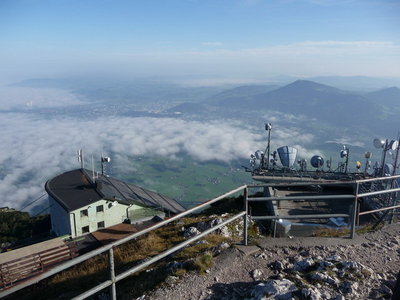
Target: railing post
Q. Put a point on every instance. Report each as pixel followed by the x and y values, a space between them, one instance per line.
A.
pixel 113 290
pixel 354 214
pixel 245 219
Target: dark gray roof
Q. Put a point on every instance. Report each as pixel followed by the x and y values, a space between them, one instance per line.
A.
pixel 75 189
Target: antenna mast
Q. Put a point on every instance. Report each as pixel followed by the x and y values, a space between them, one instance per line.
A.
pixel 93 176
pixel 268 127
pixel 80 158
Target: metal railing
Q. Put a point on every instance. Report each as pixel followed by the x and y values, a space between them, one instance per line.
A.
pixel 114 278
pixel 16 270
pixel 302 197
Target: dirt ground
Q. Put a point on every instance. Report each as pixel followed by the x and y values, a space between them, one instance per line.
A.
pixel 233 273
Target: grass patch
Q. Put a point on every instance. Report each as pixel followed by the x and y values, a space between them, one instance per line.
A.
pixel 93 271
pixel 180 272
pixel 369 228
pixel 204 262
pixel 330 232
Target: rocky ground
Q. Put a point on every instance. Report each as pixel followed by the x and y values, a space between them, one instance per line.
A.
pixel 297 268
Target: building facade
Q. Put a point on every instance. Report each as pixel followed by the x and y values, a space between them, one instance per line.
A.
pixel 80 204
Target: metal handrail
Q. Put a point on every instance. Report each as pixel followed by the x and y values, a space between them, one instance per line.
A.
pixel 110 246
pixel 115 278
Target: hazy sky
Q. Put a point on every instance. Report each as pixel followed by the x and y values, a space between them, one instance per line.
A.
pixel 220 38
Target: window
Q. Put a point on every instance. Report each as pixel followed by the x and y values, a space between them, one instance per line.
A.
pixel 99 208
pixel 85 229
pixel 100 225
pixel 84 213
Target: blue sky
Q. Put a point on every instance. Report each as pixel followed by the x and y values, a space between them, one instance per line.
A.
pixel 205 38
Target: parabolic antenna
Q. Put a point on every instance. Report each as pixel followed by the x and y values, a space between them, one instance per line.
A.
pixel 343 153
pixel 317 161
pixel 259 154
pixel 367 155
pixel 287 155
pixel 378 143
pixel 394 145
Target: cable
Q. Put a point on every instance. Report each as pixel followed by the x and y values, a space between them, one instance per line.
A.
pixel 43 210
pixel 33 202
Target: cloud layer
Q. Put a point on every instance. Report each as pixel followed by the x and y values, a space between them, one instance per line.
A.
pixel 33 150
pixel 36 148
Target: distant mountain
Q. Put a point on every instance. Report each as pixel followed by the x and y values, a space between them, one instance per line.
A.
pixel 356 83
pixel 388 97
pixel 240 95
pixel 316 100
pixel 310 99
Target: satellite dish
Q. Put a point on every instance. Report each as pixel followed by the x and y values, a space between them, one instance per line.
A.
pixel 367 155
pixel 393 145
pixel 344 153
pixel 317 161
pixel 287 155
pixel 259 154
pixel 105 159
pixel 378 143
pixel 268 126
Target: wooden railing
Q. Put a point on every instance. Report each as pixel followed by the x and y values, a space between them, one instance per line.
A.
pixel 25 267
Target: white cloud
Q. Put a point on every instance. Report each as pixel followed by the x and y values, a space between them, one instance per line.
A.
pixel 33 150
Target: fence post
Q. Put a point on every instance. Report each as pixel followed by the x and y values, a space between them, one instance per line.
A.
pixel 354 214
pixel 245 219
pixel 113 290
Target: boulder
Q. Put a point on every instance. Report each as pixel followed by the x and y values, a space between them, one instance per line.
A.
pixel 275 289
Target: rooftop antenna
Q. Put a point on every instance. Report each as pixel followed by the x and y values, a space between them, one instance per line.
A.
pixel 268 127
pixel 345 153
pixel 93 176
pixel 329 164
pixel 367 156
pixel 80 158
pixel 104 160
pixel 395 147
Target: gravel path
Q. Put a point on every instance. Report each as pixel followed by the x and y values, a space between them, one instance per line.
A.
pixel 238 270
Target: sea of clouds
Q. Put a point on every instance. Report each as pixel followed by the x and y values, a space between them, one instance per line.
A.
pixel 36 147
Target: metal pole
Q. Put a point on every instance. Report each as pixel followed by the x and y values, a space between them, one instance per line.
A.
pixel 245 219
pixel 394 195
pixel 269 146
pixel 354 214
pixel 113 290
pixel 380 209
pixel 384 158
